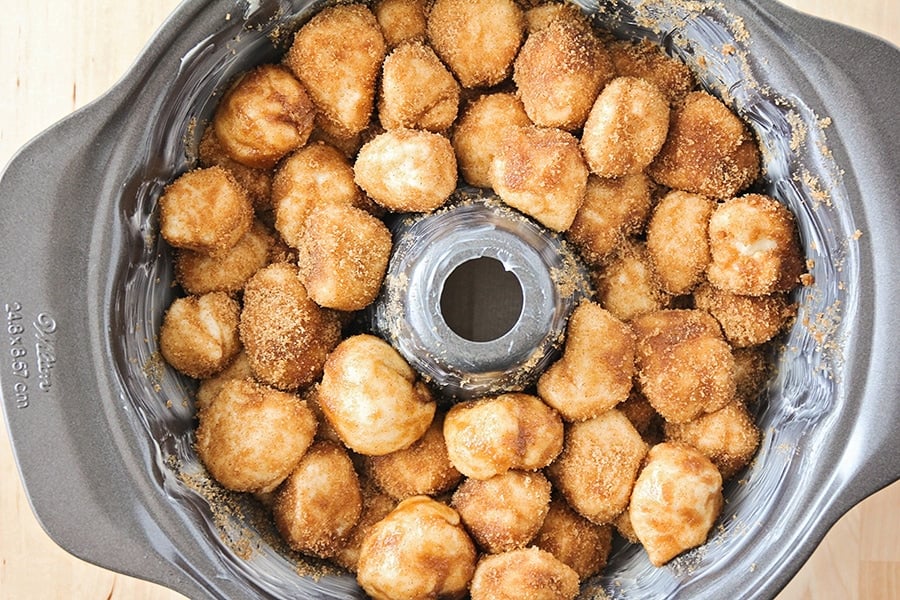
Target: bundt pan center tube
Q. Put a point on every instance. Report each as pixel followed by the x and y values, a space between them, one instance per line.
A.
pixel 103 432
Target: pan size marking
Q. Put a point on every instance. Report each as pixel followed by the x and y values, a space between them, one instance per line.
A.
pixel 31 352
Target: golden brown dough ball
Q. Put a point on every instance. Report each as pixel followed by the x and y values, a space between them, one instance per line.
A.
pixel 238 368
pixel 199 334
pixel 613 210
pixel 559 72
pixel 320 503
pixel 751 372
pixel 256 182
pixel 478 134
pixel 504 512
pixel 419 551
pixel 677 241
pixel 477 39
pixel 407 170
pixel 343 257
pixel 685 367
pixel 263 116
pixel 422 469
pixel 200 273
pixel 648 61
pixel 205 210
pixel 252 436
pixel 597 366
pixel 401 20
pixel 746 320
pixel 287 336
pixel 314 176
pixel 627 286
pixel 371 397
pixel 530 573
pixel 338 55
pixel 541 172
pixel 755 247
pixel 626 127
pixel 598 466
pixel 708 151
pixel 375 507
pixel 676 499
pixel 541 16
pixel 417 90
pixel 491 435
pixel 728 437
pixel 574 540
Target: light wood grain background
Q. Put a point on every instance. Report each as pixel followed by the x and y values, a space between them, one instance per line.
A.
pixel 57 55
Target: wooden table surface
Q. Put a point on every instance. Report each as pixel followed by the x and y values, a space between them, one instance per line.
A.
pixel 56 56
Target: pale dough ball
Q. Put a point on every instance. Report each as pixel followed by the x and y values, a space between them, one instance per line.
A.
pixel 574 540
pixel 417 90
pixel 401 20
pixel 200 273
pixel 746 320
pixel 648 61
pixel 199 334
pixel 530 573
pixel 627 286
pixel 677 241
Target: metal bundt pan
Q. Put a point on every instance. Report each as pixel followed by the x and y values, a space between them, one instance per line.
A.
pixel 102 429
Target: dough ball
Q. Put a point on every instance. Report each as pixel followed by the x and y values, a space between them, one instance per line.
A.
pixel 199 273
pixel 199 334
pixel 320 503
pixel 676 499
pixel 256 182
pixel 640 412
pixel 477 39
pixel 530 573
pixel 398 558
pixel 541 172
pixel 627 286
pixel 478 134
pixel 598 466
pixel 375 507
pixel 597 366
pixel 263 116
pixel 574 540
pixel 337 55
pixel 401 20
pixel 677 241
pixel 708 151
pixel 371 397
pixel 417 90
pixel 648 61
pixel 407 170
pixel 209 388
pixel 504 512
pixel 252 436
pixel 287 336
pixel 542 15
pixel 205 210
pixel 626 127
pixel 746 320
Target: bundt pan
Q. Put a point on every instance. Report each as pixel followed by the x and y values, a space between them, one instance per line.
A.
pixel 102 430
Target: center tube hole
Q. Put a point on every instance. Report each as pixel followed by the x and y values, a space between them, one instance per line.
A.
pixel 481 300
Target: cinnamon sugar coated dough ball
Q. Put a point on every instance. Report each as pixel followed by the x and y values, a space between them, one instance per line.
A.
pixel 613 210
pixel 627 286
pixel 685 367
pixel 574 540
pixel 755 247
pixel 371 397
pixel 287 336
pixel 530 573
pixel 406 170
pixel 266 114
pixel 417 91
pixel 626 127
pixel 422 469
pixel 598 466
pixel 205 210
pixel 338 55
pixel 401 20
pixel 375 507
pixel 315 175
pixel 597 366
pixel 398 558
pixel 478 134
pixel 256 182
pixel 728 437
pixel 477 39
pixel 675 502
pixel 209 388
pixel 320 503
pixel 559 72
pixel 489 436
pixel 677 241
pixel 648 61
pixel 199 273
pixel 708 151
pixel 252 436
pixel 541 16
pixel 199 334
pixel 540 172
pixel 504 512
pixel 343 257
pixel 746 320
